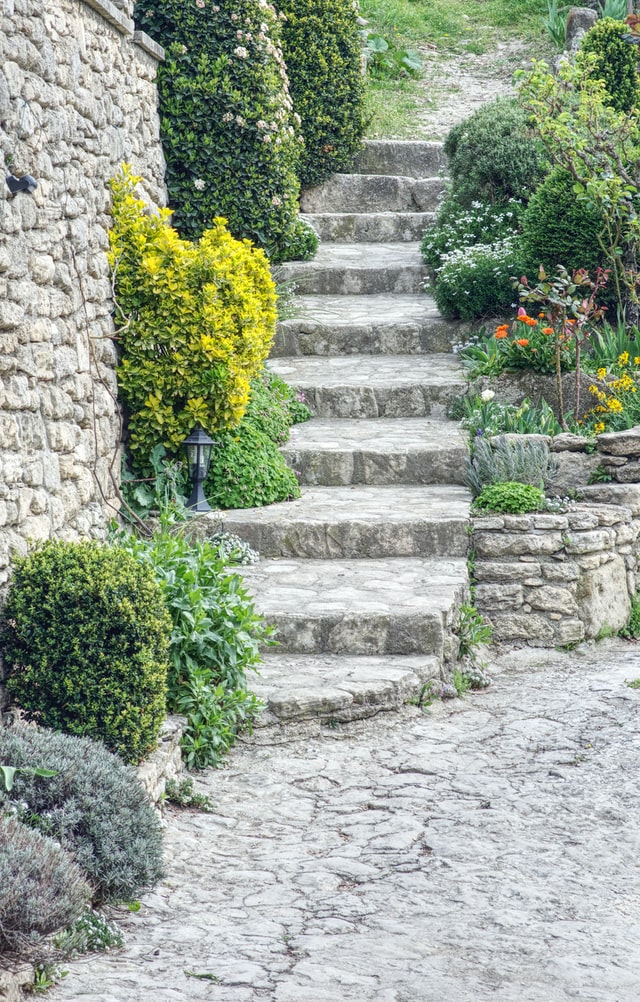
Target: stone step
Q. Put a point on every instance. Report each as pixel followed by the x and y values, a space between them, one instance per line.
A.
pixel 373 386
pixel 380 451
pixel 405 157
pixel 391 606
pixel 373 193
pixel 357 269
pixel 298 688
pixel 329 523
pixel 356 325
pixel 370 227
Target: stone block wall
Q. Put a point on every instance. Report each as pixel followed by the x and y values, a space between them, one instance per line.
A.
pixel 77 98
pixel 556 579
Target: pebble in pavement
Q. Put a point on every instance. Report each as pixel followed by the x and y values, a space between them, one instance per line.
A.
pixel 487 849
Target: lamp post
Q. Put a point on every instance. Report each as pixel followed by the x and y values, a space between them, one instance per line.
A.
pixel 198 448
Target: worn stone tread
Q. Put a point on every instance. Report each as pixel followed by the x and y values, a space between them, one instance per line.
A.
pixel 335 522
pixel 347 269
pixel 371 227
pixel 373 193
pixel 389 606
pixel 408 157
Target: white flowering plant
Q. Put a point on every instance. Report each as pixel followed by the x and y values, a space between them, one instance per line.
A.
pixel 476 281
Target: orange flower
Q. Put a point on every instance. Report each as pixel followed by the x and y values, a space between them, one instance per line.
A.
pixel 529 321
pixel 541 315
pixel 501 333
pixel 571 321
pixel 523 342
pixel 547 330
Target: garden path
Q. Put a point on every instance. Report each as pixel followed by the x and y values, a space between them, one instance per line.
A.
pixel 484 851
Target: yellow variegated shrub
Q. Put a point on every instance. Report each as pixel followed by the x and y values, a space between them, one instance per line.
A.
pixel 195 323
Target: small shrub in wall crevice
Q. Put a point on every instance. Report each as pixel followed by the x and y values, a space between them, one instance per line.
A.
pixel 510 497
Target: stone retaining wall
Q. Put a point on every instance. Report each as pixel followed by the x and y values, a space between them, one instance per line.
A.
pixel 556 579
pixel 77 98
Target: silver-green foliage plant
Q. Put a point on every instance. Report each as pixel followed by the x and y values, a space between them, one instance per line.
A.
pixel 215 640
pixel 93 805
pixel 41 888
pixel 505 460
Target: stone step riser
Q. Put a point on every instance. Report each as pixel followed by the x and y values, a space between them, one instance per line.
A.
pixel 380 402
pixel 345 281
pixel 365 227
pixel 401 157
pixel 300 337
pixel 335 468
pixel 373 193
pixel 330 541
pixel 413 633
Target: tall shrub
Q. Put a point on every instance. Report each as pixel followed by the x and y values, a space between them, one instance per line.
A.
pixel 321 46
pixel 609 57
pixel 229 135
pixel 196 323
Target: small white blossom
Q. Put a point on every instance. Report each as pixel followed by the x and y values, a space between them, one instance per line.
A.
pixel 240 52
pixel 240 120
pixel 486 396
pixel 276 200
pixel 227 117
pixel 199 184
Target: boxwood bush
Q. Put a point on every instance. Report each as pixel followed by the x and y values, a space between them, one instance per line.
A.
pixel 93 806
pixel 229 134
pixel 614 61
pixel 41 888
pixel 322 50
pixel 85 636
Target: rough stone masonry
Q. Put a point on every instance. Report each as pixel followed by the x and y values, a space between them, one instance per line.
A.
pixel 77 99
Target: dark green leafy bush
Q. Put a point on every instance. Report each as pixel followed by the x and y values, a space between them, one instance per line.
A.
pixel 614 61
pixel 247 470
pixel 493 156
pixel 321 46
pixel 514 498
pixel 41 888
pixel 301 243
pixel 215 640
pixel 85 639
pixel 94 807
pixel 559 228
pixel 229 134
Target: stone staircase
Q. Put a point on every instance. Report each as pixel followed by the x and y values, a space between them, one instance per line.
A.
pixel 364 574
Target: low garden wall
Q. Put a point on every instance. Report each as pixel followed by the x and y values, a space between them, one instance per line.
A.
pixel 556 579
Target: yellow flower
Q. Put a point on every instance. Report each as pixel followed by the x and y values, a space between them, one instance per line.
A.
pixel 636 360
pixel 601 373
pixel 614 405
pixel 623 359
pixel 598 427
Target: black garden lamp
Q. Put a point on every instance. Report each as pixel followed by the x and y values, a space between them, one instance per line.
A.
pixel 198 448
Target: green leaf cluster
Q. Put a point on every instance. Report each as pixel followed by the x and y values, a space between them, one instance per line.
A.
pixel 215 640
pixel 614 61
pixel 85 641
pixel 195 322
pixel 322 50
pixel 513 498
pixel 230 137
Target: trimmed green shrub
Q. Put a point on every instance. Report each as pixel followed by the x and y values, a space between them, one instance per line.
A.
pixel 85 640
pixel 247 470
pixel 41 888
pixel 301 243
pixel 229 135
pixel 511 497
pixel 614 61
pixel 476 281
pixel 196 322
pixel 215 640
pixel 322 50
pixel 559 228
pixel 493 156
pixel 94 807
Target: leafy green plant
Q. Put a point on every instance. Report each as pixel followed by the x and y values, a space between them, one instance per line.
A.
pixel 634 683
pixel 215 640
pixel 195 322
pixel 459 226
pixel 512 497
pixel 46 975
pixel 321 47
pixel 493 155
pixel 472 630
pixel 609 341
pixel 41 887
pixel 616 9
pixel 182 794
pixel 601 475
pixel 85 639
pixel 93 806
pixel 503 460
pixel 92 932
pixel 230 137
pixel 607 56
pixel 555 23
pixel 476 281
pixel 482 415
pixel 386 58
pixel 247 470
pixel 8 774
pixel 301 242
pixel 166 490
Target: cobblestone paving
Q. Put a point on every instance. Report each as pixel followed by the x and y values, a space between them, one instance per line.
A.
pixel 487 849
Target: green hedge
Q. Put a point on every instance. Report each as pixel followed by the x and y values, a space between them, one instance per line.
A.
pixel 322 50
pixel 229 135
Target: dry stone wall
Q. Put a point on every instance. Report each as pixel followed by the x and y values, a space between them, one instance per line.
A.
pixel 557 579
pixel 77 98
